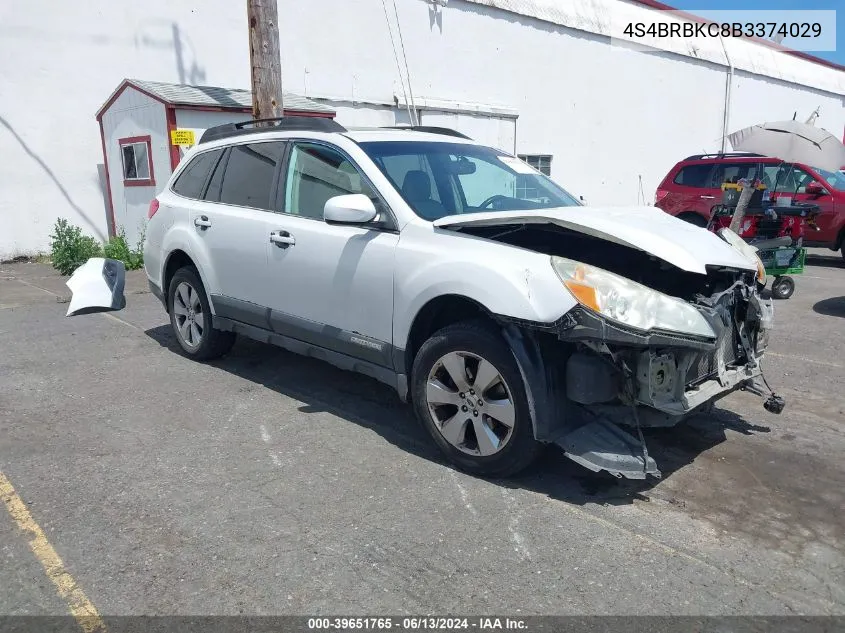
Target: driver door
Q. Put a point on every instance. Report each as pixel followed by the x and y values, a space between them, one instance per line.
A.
pixel 329 285
pixel 792 183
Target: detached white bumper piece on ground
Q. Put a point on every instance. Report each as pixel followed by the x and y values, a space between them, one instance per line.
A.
pixel 97 286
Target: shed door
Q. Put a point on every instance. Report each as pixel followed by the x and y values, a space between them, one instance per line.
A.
pixel 494 131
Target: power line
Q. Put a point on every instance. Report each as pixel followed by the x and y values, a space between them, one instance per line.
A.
pixel 407 69
pixel 398 67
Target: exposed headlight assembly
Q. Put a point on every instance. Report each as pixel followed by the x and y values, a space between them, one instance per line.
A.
pixel 745 249
pixel 628 302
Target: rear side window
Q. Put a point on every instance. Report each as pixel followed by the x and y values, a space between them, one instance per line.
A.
pixel 212 192
pixel 694 176
pixel 733 172
pixel 192 180
pixel 250 174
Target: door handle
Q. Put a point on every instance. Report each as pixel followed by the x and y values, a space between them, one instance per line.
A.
pixel 282 239
pixel 707 197
pixel 202 222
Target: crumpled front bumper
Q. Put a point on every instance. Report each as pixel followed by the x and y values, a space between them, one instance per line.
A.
pixel 619 380
pixel 668 372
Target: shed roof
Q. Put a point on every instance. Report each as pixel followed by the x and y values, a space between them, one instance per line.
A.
pixel 183 95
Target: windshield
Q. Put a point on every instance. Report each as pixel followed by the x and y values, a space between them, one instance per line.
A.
pixel 835 179
pixel 440 179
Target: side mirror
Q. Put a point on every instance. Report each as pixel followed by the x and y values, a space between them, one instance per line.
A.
pixel 354 208
pixel 815 189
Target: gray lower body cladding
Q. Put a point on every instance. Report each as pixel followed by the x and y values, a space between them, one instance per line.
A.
pixel 606 381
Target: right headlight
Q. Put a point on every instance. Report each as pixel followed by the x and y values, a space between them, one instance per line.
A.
pixel 628 302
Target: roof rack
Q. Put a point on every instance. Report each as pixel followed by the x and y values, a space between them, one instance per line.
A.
pixel 430 129
pixel 285 123
pixel 725 155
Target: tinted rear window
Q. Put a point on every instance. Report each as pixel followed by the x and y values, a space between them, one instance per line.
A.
pixel 250 173
pixel 732 172
pixel 191 181
pixel 694 176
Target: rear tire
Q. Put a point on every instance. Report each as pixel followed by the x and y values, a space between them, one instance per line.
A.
pixel 190 318
pixel 480 419
pixel 693 218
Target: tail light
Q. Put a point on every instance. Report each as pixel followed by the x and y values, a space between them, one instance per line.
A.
pixel 153 208
pixel 659 195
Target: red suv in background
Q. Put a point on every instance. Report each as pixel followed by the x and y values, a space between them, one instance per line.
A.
pixel 693 187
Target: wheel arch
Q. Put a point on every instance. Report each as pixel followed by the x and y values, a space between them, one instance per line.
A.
pixel 693 217
pixel 436 314
pixel 178 258
pixel 540 377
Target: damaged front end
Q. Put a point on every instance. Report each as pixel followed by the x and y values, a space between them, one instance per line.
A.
pixel 605 379
pixel 616 377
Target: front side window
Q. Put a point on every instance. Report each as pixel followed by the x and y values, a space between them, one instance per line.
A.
pixel 786 178
pixel 835 179
pixel 250 174
pixel 449 178
pixel 191 181
pixel 136 158
pixel 317 173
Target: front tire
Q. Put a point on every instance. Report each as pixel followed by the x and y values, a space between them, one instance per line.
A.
pixel 468 393
pixel 693 218
pixel 190 318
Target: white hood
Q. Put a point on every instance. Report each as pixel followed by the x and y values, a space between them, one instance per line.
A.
pixel 647 229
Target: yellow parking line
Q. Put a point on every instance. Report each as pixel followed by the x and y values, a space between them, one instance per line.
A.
pixel 82 609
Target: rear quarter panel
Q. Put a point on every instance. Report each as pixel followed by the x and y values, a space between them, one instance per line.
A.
pixel 168 231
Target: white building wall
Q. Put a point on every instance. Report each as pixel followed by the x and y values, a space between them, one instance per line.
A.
pixel 59 61
pixel 135 114
pixel 615 121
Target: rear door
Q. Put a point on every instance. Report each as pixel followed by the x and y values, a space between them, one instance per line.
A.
pixel 689 191
pixel 232 223
pixel 727 171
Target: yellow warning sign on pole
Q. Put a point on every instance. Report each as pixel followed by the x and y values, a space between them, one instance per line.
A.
pixel 182 137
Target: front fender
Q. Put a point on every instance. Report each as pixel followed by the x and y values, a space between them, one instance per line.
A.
pixel 505 280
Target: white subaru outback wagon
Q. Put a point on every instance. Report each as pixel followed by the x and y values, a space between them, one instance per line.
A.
pixel 509 314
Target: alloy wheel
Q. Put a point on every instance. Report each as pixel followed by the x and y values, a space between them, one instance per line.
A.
pixel 470 403
pixel 189 316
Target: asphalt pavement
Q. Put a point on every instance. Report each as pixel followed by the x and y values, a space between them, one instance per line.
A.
pixel 267 483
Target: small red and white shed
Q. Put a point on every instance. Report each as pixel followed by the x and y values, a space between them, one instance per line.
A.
pixel 145 128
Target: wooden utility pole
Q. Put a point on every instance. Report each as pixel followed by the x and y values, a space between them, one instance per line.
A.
pixel 741 205
pixel 265 59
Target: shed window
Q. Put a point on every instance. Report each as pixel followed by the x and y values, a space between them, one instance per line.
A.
pixel 136 156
